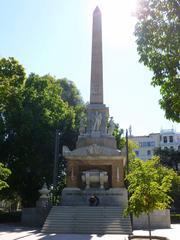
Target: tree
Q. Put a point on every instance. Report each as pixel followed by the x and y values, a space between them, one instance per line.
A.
pixel 175 193
pixel 118 134
pixel 4 174
pixel 71 95
pixel 158 40
pixel 32 109
pixel 169 157
pixel 131 146
pixel 149 185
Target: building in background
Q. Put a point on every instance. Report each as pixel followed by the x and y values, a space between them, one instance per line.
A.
pixel 146 145
pixel 166 139
pixel 170 139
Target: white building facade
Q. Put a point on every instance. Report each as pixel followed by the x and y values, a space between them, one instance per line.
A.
pixel 146 145
pixel 170 139
pixel 166 139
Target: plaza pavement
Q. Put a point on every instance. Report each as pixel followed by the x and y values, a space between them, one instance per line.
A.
pixel 17 232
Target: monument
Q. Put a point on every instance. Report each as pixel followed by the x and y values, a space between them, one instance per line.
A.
pixel 95 169
pixel 96 165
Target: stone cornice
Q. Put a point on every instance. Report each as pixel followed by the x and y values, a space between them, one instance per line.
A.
pixel 90 151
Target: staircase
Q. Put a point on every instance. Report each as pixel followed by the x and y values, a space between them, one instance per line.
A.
pixel 84 219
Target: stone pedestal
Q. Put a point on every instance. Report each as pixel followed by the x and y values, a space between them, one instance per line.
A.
pixel 101 140
pixel 36 216
pixel 79 197
pixel 106 165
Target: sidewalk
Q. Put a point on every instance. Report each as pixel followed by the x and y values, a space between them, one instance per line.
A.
pixel 15 232
pixel 172 233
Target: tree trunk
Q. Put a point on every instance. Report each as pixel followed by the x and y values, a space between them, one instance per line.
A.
pixel 149 226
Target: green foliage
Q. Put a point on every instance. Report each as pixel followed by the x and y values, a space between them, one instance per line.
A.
pixel 131 146
pixel 158 39
pixel 32 108
pixel 118 134
pixel 4 174
pixel 175 192
pixel 171 159
pixel 168 157
pixel 70 94
pixel 149 186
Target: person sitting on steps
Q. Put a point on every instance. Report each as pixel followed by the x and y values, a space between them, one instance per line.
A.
pixel 93 200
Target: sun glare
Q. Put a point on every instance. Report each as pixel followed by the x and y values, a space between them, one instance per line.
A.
pixel 118 20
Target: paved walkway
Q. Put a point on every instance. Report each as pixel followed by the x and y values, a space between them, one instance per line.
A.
pixel 172 233
pixel 15 232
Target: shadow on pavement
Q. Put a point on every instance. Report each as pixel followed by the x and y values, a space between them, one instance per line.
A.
pixel 17 228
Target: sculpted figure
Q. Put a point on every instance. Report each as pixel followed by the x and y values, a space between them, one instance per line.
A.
pixel 111 126
pixel 94 149
pixel 97 121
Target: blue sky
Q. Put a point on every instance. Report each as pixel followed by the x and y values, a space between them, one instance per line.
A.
pixel 54 36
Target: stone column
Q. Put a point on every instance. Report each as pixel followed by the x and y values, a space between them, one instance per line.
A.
pixel 117 176
pixel 72 176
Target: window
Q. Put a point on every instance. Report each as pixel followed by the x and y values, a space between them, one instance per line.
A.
pixel 165 139
pixel 171 147
pixel 178 148
pixel 148 152
pixel 170 138
pixel 147 144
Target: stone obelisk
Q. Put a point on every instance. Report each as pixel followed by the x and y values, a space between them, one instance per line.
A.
pixel 97 111
pixel 96 93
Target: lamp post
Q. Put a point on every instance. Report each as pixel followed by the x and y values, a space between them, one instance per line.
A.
pixel 127 172
pixel 127 151
pixel 56 158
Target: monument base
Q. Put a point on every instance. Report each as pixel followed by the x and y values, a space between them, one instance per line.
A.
pixel 96 138
pixel 110 197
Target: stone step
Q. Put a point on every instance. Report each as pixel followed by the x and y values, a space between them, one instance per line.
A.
pixel 90 222
pixel 117 214
pixel 71 224
pixel 89 215
pixel 79 230
pixel 71 228
pixel 87 207
pixel 82 211
pixel 87 231
pixel 98 209
pixel 84 220
pixel 89 228
pixel 101 220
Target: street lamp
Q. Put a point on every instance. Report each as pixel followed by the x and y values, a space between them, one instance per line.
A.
pixel 56 157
